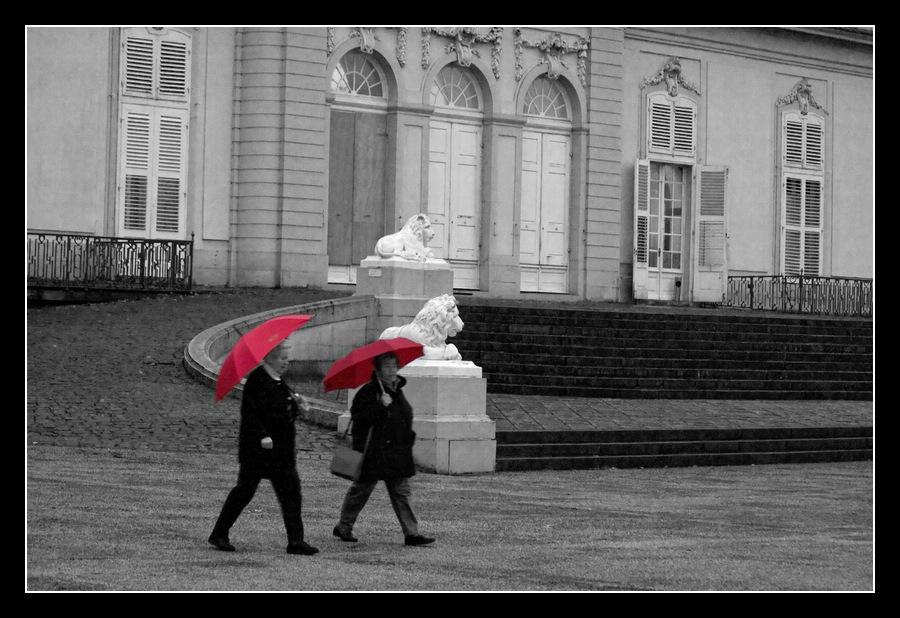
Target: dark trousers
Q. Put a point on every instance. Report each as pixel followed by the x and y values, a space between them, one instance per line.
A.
pixel 286 484
pixel 399 492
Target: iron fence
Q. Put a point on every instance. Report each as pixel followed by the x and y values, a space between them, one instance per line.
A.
pixel 109 263
pixel 802 294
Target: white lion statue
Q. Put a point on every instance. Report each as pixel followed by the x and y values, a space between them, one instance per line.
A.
pixel 410 243
pixel 437 320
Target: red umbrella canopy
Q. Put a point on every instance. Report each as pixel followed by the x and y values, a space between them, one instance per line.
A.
pixel 355 369
pixel 252 348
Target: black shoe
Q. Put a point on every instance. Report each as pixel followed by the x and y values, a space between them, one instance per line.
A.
pixel 418 539
pixel 302 548
pixel 344 534
pixel 220 542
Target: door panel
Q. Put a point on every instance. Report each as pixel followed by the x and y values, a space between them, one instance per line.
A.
pixel 554 201
pixel 529 221
pixel 465 194
pixel 439 186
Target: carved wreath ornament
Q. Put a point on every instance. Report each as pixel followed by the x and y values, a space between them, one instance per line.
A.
pixel 553 48
pixel 464 41
pixel 802 92
pixel 670 72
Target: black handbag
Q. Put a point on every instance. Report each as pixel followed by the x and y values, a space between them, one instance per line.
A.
pixel 346 462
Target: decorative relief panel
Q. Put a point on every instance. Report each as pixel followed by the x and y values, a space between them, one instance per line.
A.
pixel 802 92
pixel 401 46
pixel 670 73
pixel 464 41
pixel 367 38
pixel 553 49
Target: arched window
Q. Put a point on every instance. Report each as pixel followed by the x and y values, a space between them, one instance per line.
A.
pixel 454 87
pixel 357 75
pixel 545 98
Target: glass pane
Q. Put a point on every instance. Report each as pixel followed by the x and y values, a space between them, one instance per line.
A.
pixel 356 74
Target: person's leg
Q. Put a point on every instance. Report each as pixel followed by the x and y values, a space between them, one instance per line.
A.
pixel 354 500
pixel 286 484
pixel 238 498
pixel 400 491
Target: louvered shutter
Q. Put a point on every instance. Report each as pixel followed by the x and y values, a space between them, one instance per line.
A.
pixel 710 252
pixel 802 225
pixel 671 125
pixel 155 64
pixel 803 141
pixel 641 223
pixel 152 172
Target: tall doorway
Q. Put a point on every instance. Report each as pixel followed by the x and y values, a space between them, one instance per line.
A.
pixel 454 174
pixel 544 211
pixel 669 201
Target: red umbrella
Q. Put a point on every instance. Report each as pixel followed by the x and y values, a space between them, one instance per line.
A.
pixel 252 348
pixel 355 369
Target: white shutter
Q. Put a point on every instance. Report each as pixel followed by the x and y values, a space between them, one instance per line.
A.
pixel 710 261
pixel 152 187
pixel 156 64
pixel 660 126
pixel 685 115
pixel 803 141
pixel 135 175
pixel 802 225
pixel 641 222
pixel 671 125
pixel 812 227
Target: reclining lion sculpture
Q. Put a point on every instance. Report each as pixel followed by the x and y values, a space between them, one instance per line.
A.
pixel 436 321
pixel 410 243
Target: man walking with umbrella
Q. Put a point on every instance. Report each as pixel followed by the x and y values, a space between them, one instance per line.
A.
pixel 266 450
pixel 382 427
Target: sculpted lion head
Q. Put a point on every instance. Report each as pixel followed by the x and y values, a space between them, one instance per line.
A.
pixel 439 319
pixel 436 321
pixel 420 226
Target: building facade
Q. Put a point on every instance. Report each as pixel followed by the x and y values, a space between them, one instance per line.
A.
pixel 595 163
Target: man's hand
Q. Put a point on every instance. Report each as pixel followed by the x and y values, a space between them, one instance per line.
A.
pixel 386 399
pixel 266 443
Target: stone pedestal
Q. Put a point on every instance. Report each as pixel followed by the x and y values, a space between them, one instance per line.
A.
pixel 401 288
pixel 454 434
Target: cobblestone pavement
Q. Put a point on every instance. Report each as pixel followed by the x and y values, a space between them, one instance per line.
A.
pixel 111 375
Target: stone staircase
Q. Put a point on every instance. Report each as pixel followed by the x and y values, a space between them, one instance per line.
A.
pixel 670 353
pixel 666 353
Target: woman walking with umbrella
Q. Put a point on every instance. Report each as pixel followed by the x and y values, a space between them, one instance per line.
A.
pixel 380 408
pixel 266 442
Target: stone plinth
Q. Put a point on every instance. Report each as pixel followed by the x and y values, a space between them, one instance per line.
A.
pixel 401 287
pixel 454 434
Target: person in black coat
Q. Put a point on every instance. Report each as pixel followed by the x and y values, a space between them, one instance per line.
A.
pixel 381 407
pixel 266 450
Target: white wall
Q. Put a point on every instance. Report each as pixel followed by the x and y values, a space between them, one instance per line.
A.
pixel 67 74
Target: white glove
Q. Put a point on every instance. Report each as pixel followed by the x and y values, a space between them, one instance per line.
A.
pixel 386 399
pixel 266 443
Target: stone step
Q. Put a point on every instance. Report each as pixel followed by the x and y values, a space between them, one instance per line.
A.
pixel 560 364
pixel 680 460
pixel 559 450
pixel 674 371
pixel 562 327
pixel 654 392
pixel 573 345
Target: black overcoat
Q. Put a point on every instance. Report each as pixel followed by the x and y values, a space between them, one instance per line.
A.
pixel 389 455
pixel 267 410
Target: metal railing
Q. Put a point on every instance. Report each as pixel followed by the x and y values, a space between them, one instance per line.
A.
pixel 109 263
pixel 801 294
